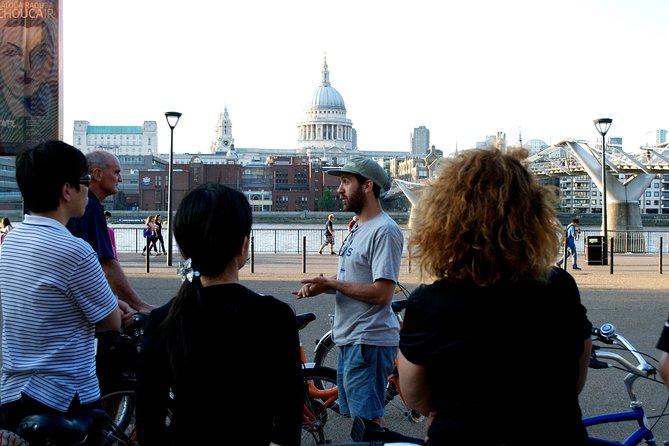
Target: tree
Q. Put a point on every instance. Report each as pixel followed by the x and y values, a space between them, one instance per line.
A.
pixel 327 202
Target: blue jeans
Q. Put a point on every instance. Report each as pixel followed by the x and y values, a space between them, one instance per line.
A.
pixel 362 376
pixel 570 252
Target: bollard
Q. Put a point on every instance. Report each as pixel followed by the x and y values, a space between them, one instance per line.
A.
pixel 148 254
pixel 304 254
pixel 252 255
pixel 660 254
pixel 564 254
pixel 610 248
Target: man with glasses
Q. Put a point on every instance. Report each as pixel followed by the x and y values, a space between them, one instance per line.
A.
pixel 51 307
pixel 365 328
pixel 105 173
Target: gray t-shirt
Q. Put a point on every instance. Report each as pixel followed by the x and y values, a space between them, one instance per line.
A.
pixel 371 252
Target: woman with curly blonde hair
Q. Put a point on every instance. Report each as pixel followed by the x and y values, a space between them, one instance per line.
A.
pixel 488 233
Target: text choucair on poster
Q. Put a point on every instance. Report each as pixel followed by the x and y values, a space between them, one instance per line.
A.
pixel 30 83
pixel 19 9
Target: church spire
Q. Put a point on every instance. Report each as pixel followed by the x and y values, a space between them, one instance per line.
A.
pixel 325 81
pixel 223 138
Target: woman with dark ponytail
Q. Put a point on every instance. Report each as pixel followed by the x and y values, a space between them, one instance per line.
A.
pixel 215 320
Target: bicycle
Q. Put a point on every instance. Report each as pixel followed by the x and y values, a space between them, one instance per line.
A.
pixel 640 368
pixel 322 423
pixel 117 372
pixel 325 355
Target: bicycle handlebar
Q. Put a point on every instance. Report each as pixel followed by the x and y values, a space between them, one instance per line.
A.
pixel 607 334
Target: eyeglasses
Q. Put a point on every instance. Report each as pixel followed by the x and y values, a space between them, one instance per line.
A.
pixel 85 180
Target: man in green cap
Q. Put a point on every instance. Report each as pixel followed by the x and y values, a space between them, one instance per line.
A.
pixel 365 328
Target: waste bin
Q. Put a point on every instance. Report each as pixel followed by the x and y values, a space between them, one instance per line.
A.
pixel 594 249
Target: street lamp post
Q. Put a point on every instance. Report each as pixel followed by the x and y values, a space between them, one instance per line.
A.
pixel 602 125
pixel 172 118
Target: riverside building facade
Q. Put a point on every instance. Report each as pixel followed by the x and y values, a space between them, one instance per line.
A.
pixel 295 179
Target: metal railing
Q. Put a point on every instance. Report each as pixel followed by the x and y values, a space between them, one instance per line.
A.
pixel 290 240
pixel 265 240
pixel 633 242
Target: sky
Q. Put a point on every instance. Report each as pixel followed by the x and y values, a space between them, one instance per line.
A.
pixel 464 69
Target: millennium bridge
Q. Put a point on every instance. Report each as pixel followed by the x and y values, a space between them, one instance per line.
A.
pixel 573 157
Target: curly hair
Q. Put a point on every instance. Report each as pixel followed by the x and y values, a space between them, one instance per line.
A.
pixel 485 220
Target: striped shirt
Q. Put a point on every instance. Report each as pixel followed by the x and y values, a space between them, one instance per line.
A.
pixel 52 291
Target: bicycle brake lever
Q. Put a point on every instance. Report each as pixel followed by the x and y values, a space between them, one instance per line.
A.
pixel 594 362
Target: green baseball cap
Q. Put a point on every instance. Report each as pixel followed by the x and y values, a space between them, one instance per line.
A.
pixel 365 167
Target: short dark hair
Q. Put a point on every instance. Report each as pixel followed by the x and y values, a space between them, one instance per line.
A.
pixel 42 170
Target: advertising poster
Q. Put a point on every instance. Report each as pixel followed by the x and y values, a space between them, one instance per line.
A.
pixel 30 85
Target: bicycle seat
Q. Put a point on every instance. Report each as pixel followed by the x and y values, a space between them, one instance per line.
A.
pixel 304 319
pixel 399 305
pixel 58 430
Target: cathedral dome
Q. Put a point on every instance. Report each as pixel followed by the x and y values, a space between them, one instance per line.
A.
pixel 325 125
pixel 326 96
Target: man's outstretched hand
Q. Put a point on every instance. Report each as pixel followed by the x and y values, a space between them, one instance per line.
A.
pixel 312 287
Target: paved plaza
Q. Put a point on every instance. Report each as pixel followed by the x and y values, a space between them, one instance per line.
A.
pixel 635 298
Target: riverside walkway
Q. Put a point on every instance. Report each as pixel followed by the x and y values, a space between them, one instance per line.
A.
pixel 635 298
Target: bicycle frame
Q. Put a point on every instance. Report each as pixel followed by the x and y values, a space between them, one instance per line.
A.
pixel 636 414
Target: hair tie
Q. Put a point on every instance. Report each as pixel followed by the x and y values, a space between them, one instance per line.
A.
pixel 186 271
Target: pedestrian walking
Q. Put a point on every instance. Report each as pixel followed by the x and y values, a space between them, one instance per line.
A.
pixel 150 235
pixel 329 235
pixel 158 233
pixel 572 233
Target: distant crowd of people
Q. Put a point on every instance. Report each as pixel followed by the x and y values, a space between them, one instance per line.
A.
pixel 470 236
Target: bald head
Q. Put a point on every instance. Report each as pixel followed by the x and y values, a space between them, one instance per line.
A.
pixel 105 170
pixel 100 159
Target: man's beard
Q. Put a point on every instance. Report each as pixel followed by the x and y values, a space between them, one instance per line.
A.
pixel 356 201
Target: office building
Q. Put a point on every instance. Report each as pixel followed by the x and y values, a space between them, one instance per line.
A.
pixel 420 140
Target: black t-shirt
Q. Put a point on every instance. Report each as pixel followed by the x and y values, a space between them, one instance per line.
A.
pixel 503 357
pixel 223 389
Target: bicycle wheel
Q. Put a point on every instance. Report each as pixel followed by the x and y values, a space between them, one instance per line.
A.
pixel 118 401
pixel 326 356
pixel 322 422
pixel 326 353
